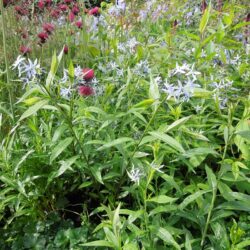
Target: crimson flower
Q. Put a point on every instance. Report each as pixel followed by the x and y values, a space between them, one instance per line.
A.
pixel 7 2
pixel 67 1
pixel 43 37
pixel 24 50
pixel 88 74
pixel 75 10
pixel 86 91
pixel 79 24
pixel 65 49
pixel 24 34
pixel 41 4
pixel 203 6
pixel 63 7
pixel 94 11
pixel 48 2
pixel 55 13
pixel 48 28
pixel 21 11
pixel 71 17
pixel 248 17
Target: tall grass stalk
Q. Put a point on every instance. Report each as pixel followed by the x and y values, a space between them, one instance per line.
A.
pixel 6 62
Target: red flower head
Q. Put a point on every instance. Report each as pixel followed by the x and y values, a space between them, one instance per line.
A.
pixel 203 6
pixel 24 50
pixel 71 17
pixel 48 2
pixel 55 13
pixel 24 34
pixel 48 28
pixel 6 3
pixel 43 37
pixel 79 24
pixel 65 49
pixel 248 17
pixel 63 7
pixel 86 91
pixel 41 4
pixel 88 74
pixel 75 10
pixel 68 1
pixel 21 11
pixel 94 12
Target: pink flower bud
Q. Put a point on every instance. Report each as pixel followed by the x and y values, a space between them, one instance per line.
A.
pixel 86 91
pixel 88 74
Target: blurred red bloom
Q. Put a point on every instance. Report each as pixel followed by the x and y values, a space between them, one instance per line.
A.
pixel 71 17
pixel 21 11
pixel 86 91
pixel 94 11
pixel 48 28
pixel 203 6
pixel 67 1
pixel 63 7
pixel 65 49
pixel 48 2
pixel 41 4
pixel 88 74
pixel 43 37
pixel 55 13
pixel 79 24
pixel 24 34
pixel 75 10
pixel 24 50
pixel 7 2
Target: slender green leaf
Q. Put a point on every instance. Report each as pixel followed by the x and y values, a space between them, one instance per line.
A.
pixel 211 178
pixel 162 199
pixel 62 145
pixel 204 19
pixel 168 140
pixel 33 109
pixel 166 236
pixel 98 243
pixel 191 198
pixel 115 143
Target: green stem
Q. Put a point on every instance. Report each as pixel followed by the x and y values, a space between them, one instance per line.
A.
pixel 6 62
pixel 140 140
pixel 68 119
pixel 208 217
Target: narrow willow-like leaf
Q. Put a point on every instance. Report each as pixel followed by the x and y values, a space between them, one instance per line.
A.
pixel 98 243
pixel 116 220
pixel 235 205
pixel 96 171
pixel 60 148
pixel 115 143
pixel 145 103
pixel 191 198
pixel 175 124
pixel 162 199
pixel 111 237
pixel 243 244
pixel 33 109
pixel 204 19
pixel 66 165
pixel 166 236
pixel 211 178
pixel 200 151
pixel 168 140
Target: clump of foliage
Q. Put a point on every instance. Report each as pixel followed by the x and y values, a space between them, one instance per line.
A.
pixel 135 135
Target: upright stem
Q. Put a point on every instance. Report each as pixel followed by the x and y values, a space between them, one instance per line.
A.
pixel 6 61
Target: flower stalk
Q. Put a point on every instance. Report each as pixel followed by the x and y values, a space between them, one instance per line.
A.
pixel 10 94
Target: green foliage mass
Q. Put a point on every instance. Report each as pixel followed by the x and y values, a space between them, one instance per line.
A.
pixel 157 157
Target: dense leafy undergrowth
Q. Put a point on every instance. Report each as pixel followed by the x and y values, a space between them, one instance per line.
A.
pixel 135 135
